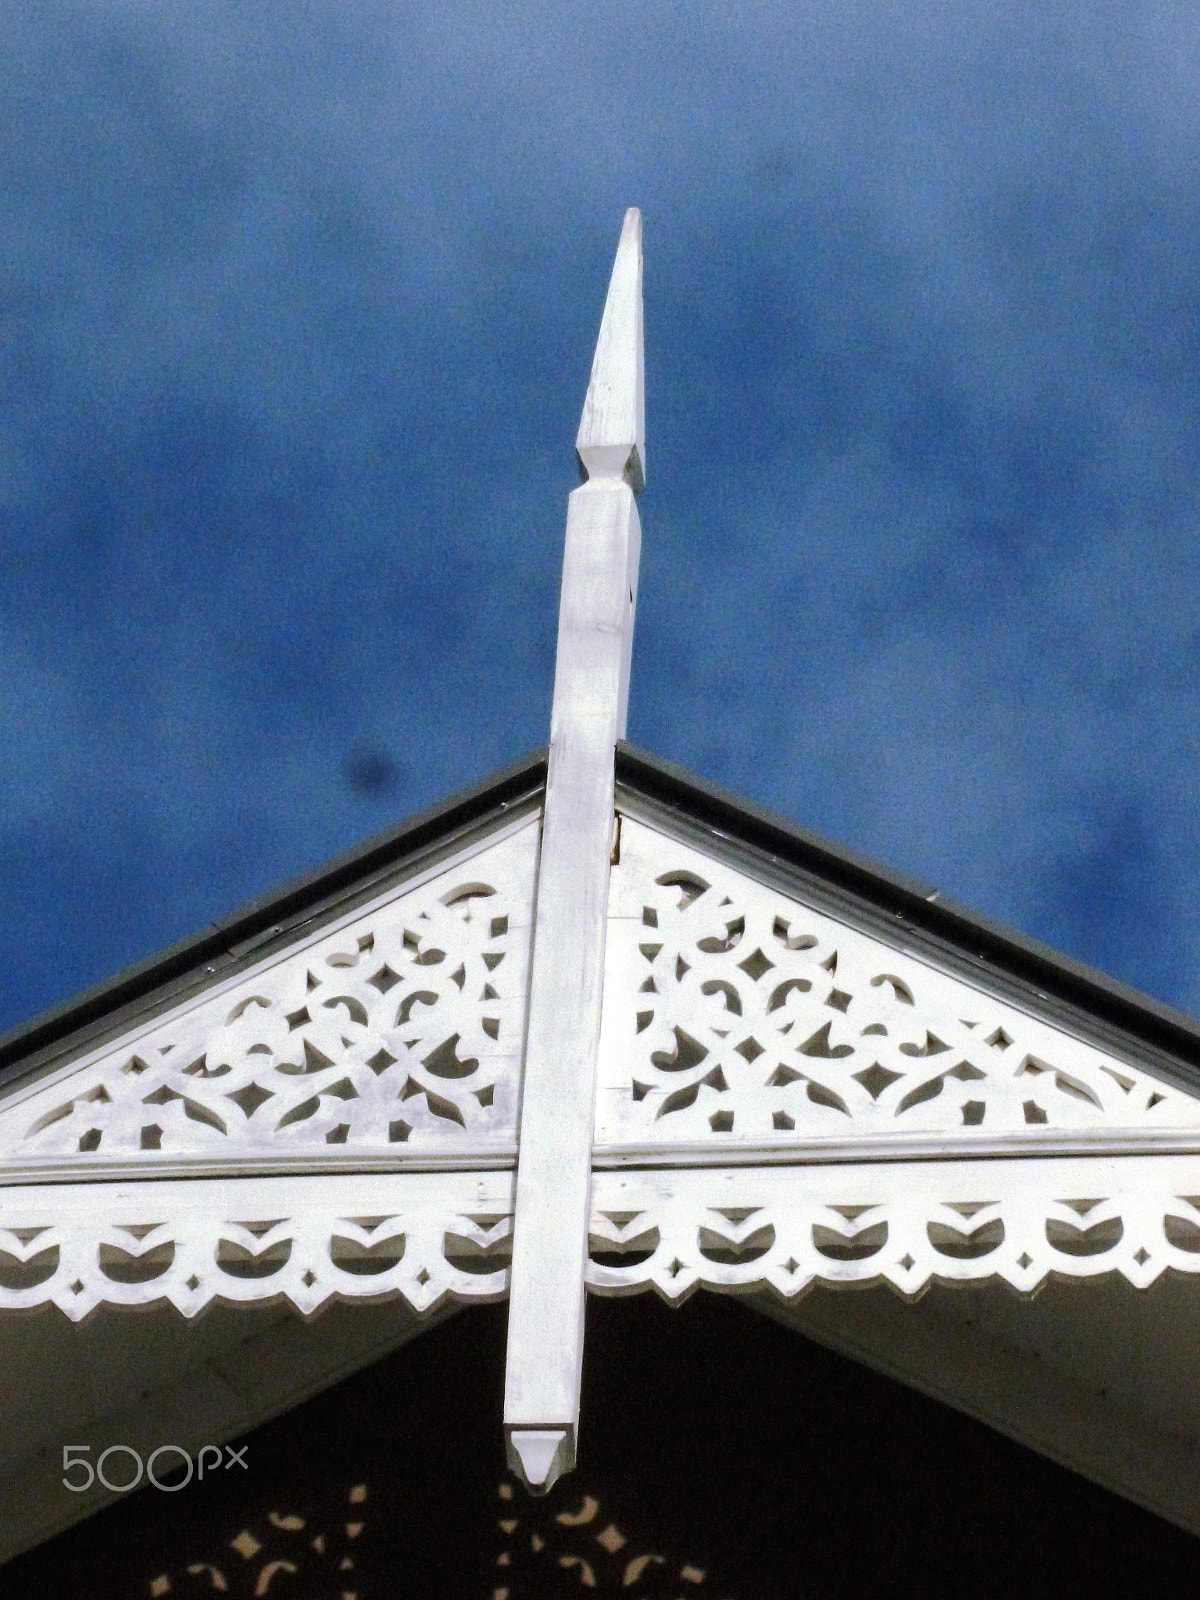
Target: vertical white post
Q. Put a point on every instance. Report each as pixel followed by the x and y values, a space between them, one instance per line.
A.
pixel 591 689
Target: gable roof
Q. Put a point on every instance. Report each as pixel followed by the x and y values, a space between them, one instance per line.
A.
pixel 766 843
pixel 744 850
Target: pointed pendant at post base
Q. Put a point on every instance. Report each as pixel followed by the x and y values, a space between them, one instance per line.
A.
pixel 591 688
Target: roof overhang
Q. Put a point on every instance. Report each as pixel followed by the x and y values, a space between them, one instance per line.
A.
pixel 1086 1354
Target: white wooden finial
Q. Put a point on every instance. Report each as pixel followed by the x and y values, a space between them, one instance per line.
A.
pixel 611 442
pixel 591 687
pixel 540 1456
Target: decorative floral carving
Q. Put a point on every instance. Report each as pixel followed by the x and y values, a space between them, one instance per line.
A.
pixel 399 1032
pixel 732 1012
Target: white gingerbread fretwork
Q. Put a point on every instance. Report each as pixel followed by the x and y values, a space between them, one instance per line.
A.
pixel 426 1237
pixel 736 1015
pixel 786 1229
pixel 397 1035
pixel 715 1081
pixel 421 1237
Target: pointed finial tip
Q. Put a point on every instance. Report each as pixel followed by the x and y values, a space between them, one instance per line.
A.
pixel 612 431
pixel 540 1456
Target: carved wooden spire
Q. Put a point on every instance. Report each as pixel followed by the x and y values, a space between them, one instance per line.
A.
pixel 611 442
pixel 591 688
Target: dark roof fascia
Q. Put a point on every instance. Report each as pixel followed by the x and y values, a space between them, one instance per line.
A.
pixel 900 900
pixel 978 940
pixel 227 940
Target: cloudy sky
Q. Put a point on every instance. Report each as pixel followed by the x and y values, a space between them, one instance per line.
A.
pixel 299 300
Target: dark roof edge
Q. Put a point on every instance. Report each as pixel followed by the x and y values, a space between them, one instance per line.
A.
pixel 919 905
pixel 271 910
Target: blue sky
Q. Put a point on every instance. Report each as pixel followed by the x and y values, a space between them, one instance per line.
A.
pixel 299 301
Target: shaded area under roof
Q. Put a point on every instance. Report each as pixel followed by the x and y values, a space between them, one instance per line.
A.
pixel 798 1473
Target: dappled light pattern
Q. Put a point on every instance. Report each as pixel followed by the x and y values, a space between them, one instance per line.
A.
pixel 286 1556
pixel 583 1551
pixel 305 1553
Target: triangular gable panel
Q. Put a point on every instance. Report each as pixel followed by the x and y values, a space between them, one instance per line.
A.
pixel 391 1037
pixel 742 1022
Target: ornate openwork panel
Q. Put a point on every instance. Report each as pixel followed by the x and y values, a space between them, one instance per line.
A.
pixel 736 1015
pixel 422 1237
pixel 398 1033
pixel 788 1228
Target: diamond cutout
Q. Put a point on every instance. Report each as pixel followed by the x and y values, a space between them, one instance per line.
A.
pixel 755 965
pixel 875 1079
pixel 249 1099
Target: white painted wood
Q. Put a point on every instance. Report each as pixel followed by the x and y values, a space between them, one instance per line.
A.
pixel 357 1194
pixel 595 633
pixel 456 1154
pixel 743 1024
pixel 612 430
pixel 426 1238
pixel 542 1454
pixel 869 1125
pixel 898 1223
pixel 900 1148
pixel 429 1238
pixel 392 1037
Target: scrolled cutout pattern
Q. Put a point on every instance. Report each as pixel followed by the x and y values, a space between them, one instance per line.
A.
pixel 733 1014
pixel 683 1242
pixel 647 1232
pixel 397 1034
pixel 422 1257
